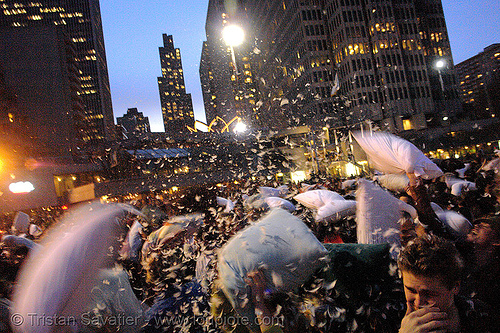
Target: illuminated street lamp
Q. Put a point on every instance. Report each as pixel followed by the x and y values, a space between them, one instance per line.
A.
pixel 240 127
pixel 439 65
pixel 233 35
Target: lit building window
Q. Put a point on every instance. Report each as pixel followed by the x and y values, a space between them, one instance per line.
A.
pixel 407 124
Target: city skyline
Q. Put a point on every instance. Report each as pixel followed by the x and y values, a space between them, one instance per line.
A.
pixel 132 49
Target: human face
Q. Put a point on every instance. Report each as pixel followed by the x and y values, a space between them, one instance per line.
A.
pixel 421 291
pixel 481 234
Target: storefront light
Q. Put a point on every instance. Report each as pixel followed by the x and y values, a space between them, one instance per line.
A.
pixel 21 187
pixel 351 170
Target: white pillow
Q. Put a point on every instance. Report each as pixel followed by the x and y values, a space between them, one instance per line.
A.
pixel 456 223
pixel 188 223
pixel 492 165
pixel 282 244
pixel 378 214
pixel 391 154
pixel 132 245
pixel 255 201
pixel 396 183
pixel 336 210
pixel 436 208
pixel 307 187
pixel 227 203
pixel 21 223
pixel 450 179
pixel 314 199
pixel 57 279
pixel 464 185
pixel 280 191
pixel 461 172
pixel 35 230
pixel 273 202
pixel 113 297
pixel 348 183
pixel 15 241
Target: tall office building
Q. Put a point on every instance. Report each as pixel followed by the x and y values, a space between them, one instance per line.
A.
pixel 44 114
pixel 207 80
pixel 81 20
pixel 226 73
pixel 384 54
pixel 133 123
pixel 479 78
pixel 294 63
pixel 176 104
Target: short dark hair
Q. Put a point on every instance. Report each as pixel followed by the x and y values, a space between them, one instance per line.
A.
pixel 434 257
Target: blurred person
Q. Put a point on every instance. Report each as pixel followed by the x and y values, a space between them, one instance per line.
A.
pixel 483 264
pixel 264 309
pixel 429 221
pixel 5 307
pixel 431 270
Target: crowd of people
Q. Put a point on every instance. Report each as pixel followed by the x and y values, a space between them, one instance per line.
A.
pixel 445 278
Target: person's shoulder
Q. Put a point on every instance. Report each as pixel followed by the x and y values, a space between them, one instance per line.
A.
pixel 475 315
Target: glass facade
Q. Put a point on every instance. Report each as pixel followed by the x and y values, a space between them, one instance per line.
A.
pixel 176 104
pixel 81 20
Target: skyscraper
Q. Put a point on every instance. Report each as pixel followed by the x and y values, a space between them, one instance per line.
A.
pixel 207 80
pixel 81 21
pixel 479 78
pixel 226 73
pixel 384 54
pixel 133 123
pixel 39 71
pixel 176 104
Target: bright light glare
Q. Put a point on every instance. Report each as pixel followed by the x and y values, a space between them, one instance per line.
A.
pixel 233 35
pixel 351 170
pixel 445 118
pixel 240 127
pixel 21 187
pixel 298 176
pixel 440 63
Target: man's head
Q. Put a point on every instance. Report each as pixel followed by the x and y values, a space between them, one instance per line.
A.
pixel 486 232
pixel 431 268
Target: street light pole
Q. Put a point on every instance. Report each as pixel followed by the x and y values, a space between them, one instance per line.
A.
pixel 234 60
pixel 233 35
pixel 439 65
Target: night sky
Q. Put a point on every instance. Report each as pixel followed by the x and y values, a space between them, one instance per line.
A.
pixel 133 33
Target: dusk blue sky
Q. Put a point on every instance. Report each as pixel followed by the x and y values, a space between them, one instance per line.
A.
pixel 133 33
